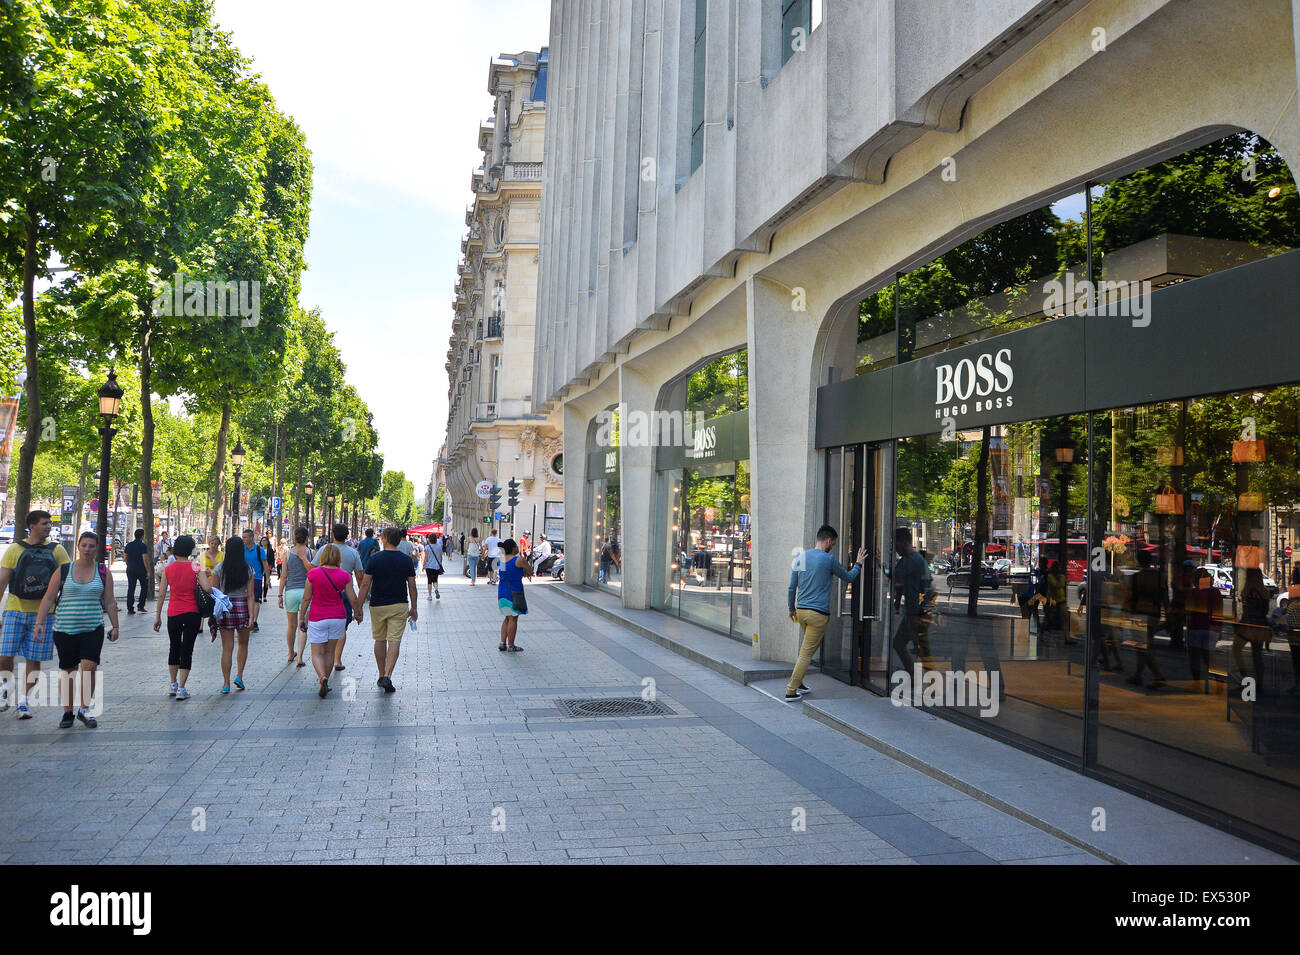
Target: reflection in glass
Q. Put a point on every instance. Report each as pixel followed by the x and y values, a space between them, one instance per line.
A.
pixel 1197 667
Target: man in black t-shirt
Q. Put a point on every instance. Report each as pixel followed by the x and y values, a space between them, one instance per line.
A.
pixel 137 570
pixel 390 584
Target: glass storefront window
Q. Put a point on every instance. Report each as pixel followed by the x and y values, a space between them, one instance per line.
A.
pixel 1198 503
pixel 706 570
pixel 606 546
pixel 998 517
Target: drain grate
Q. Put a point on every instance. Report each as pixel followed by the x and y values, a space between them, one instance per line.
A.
pixel 623 706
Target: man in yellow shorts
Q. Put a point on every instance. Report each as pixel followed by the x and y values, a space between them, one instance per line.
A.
pixel 389 582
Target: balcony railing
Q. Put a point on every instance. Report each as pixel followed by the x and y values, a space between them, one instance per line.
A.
pixel 524 171
pixel 495 326
pixel 485 410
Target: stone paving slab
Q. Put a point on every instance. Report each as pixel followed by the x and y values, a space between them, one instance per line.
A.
pixel 460 765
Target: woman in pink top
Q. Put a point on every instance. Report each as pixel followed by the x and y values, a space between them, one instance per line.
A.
pixel 327 601
pixel 179 578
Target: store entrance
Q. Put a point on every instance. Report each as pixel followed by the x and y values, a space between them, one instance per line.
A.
pixel 854 649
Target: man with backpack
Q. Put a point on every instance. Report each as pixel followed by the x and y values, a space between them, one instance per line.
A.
pixel 259 560
pixel 25 570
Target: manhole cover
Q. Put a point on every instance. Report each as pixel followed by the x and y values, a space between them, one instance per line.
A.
pixel 627 706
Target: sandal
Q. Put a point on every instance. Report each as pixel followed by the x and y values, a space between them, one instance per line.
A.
pixel 514 649
pixel 301 664
pixel 340 667
pixel 502 647
pixel 324 688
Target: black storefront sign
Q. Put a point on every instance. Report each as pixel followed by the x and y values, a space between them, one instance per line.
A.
pixel 603 465
pixel 1223 332
pixel 724 438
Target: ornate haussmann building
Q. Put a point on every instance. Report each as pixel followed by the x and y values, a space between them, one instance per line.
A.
pixel 493 430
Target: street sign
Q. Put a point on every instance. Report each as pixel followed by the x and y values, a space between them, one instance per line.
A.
pixel 275 505
pixel 499 516
pixel 1288 550
pixel 483 489
pixel 94 505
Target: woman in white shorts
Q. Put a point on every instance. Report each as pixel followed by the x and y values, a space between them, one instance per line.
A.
pixel 327 601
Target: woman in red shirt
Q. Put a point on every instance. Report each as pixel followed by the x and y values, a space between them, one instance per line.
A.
pixel 179 578
pixel 327 601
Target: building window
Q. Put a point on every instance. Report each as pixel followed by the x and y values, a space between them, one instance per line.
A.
pixel 496 371
pixel 796 24
pixel 697 87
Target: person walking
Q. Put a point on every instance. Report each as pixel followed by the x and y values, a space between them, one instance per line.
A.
pixel 25 571
pixel 510 593
pixel 462 543
pixel 472 552
pixel 433 566
pixel 257 560
pixel 328 601
pixel 137 570
pixel 180 578
pixel 293 581
pixel 211 555
pixel 389 582
pixel 83 597
pixel 269 551
pixel 493 547
pixel 350 562
pixel 809 599
pixel 367 546
pixel 234 578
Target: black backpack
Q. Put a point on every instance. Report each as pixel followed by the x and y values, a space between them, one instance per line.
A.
pixel 36 565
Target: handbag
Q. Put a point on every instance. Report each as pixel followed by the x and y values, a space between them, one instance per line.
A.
pixel 1168 501
pixel 204 601
pixel 1170 457
pixel 518 602
pixel 1248 452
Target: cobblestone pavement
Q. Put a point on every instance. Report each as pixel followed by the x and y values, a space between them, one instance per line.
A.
pixel 470 761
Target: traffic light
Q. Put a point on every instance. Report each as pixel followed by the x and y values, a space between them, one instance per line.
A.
pixel 495 498
pixel 513 500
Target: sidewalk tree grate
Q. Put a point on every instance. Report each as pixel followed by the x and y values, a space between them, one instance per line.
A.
pixel 621 706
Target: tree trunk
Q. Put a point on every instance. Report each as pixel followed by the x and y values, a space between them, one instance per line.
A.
pixel 297 500
pixel 219 495
pixel 27 456
pixel 981 524
pixel 146 417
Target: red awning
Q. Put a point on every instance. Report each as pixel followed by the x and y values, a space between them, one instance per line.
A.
pixel 424 530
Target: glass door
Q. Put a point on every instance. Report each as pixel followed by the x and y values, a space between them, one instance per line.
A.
pixel 852 507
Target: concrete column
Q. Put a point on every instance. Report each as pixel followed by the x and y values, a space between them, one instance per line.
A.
pixel 576 546
pixel 782 421
pixel 637 396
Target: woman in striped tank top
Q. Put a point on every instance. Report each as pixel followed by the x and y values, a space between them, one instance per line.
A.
pixel 87 594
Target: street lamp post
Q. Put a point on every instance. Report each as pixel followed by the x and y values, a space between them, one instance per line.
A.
pixel 329 515
pixel 311 514
pixel 237 456
pixel 110 404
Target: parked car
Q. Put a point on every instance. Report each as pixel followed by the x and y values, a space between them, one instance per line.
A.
pixel 1002 569
pixel 7 534
pixel 960 579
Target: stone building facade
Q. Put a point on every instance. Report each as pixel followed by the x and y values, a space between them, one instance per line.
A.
pixel 493 430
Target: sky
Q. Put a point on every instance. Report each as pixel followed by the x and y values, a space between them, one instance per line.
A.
pixel 390 95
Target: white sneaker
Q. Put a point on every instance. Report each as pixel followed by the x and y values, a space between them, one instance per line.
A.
pixel 171 690
pixel 182 694
pixel 4 698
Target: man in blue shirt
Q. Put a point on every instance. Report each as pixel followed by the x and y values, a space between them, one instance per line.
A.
pixel 257 557
pixel 367 547
pixel 809 597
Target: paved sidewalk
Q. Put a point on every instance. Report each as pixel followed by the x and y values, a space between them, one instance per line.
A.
pixel 470 761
